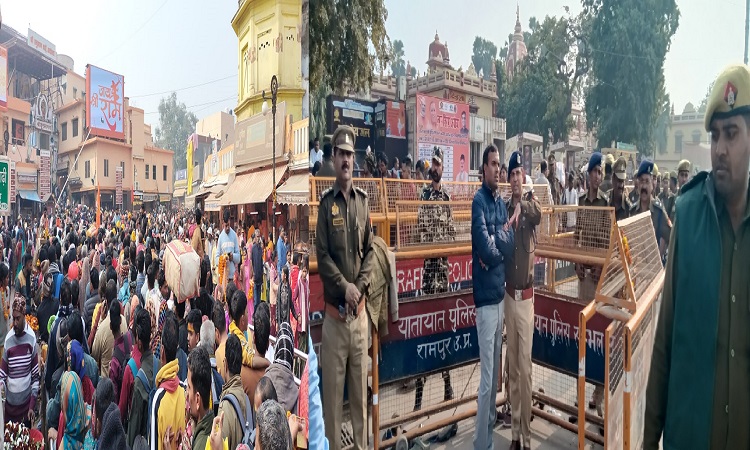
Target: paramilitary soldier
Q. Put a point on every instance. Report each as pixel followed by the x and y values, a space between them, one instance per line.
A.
pixel 343 243
pixel 435 227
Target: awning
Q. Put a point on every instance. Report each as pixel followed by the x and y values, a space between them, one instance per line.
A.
pixel 296 190
pixel 29 195
pixel 212 202
pixel 251 187
pixel 178 193
pixel 190 201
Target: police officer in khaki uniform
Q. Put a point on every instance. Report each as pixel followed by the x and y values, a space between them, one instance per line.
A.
pixel 519 302
pixel 617 197
pixel 343 242
pixel 662 224
pixel 683 173
pixel 609 162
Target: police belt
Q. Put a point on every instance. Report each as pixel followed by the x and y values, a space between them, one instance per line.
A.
pixel 333 311
pixel 519 295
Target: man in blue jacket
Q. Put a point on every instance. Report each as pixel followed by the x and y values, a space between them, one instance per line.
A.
pixel 492 246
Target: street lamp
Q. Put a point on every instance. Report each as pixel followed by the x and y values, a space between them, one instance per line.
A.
pixel 274 91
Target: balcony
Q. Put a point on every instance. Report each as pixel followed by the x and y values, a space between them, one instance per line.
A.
pixel 298 143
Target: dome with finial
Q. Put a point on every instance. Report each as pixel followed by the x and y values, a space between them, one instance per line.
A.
pixel 689 109
pixel 439 56
pixel 517 49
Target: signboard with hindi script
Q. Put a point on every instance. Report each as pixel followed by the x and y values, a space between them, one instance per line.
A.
pixel 4 186
pixel 105 99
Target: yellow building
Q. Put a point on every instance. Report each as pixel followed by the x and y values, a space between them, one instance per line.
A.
pixel 269 35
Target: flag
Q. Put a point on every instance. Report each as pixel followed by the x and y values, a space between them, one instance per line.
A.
pixel 190 165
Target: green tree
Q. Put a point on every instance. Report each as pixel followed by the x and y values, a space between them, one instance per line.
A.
pixel 398 66
pixel 629 39
pixel 484 56
pixel 663 121
pixel 176 124
pixel 413 72
pixel 348 41
pixel 539 97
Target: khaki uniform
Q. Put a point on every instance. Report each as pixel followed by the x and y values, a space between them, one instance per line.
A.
pixel 623 210
pixel 343 243
pixel 519 317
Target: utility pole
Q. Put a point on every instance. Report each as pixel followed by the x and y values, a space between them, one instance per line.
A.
pixel 747 26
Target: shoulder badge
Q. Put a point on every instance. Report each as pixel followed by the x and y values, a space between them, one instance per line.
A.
pixel 360 191
pixel 326 192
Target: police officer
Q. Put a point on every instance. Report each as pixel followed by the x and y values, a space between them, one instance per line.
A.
pixel 683 173
pixel 519 302
pixel 672 198
pixel 663 195
pixel 588 276
pixel 435 226
pixel 343 242
pixel 617 197
pixel 662 224
pixel 609 162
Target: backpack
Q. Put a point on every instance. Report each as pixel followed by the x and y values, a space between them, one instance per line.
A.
pixel 248 435
pixel 120 356
pixel 150 386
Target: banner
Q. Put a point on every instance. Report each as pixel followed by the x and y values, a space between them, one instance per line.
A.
pixel 3 79
pixel 189 165
pixel 358 114
pixel 4 185
pixel 118 186
pixel 395 120
pixel 44 174
pixel 106 99
pixel 445 125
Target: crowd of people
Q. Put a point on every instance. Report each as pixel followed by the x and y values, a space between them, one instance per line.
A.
pixel 100 351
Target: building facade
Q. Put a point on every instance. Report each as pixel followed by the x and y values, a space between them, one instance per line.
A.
pixel 269 43
pixel 687 139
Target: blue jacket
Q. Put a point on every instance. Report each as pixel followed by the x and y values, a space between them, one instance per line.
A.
pixel 281 254
pixel 491 246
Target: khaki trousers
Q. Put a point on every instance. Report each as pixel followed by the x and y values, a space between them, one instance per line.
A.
pixel 519 324
pixel 344 358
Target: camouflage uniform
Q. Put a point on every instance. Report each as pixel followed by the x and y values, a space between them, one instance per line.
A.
pixel 435 227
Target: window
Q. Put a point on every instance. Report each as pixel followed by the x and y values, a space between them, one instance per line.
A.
pixel 147 171
pixel 75 127
pixel 696 136
pixel 122 164
pixel 18 132
pixel 87 169
pixel 64 131
pixel 678 142
pixel 475 157
pixel 43 141
pixel 165 172
pixel 154 171
pixel 106 167
pixel 75 93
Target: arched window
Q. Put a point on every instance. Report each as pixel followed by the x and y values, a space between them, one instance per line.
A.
pixel 696 136
pixel 678 141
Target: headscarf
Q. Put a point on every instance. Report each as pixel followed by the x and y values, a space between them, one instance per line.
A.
pixel 74 410
pixel 19 303
pixel 285 346
pixel 76 363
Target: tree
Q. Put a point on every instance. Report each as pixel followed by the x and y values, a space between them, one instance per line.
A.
pixel 630 40
pixel 176 124
pixel 539 97
pixel 663 121
pixel 398 66
pixel 704 102
pixel 413 72
pixel 484 56
pixel 342 35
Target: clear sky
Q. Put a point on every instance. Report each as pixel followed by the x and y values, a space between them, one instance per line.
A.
pixel 158 45
pixel 710 35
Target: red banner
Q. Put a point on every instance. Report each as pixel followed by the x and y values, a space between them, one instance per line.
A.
pixel 395 120
pixel 44 174
pixel 118 186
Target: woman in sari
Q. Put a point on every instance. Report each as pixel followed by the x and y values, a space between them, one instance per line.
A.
pixel 74 414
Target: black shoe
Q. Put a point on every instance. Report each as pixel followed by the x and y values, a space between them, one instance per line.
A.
pixel 504 419
pixel 515 445
pixel 448 393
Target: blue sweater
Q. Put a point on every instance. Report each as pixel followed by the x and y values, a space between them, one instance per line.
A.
pixel 230 244
pixel 491 247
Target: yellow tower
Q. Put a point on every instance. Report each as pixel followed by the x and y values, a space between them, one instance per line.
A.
pixel 268 33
